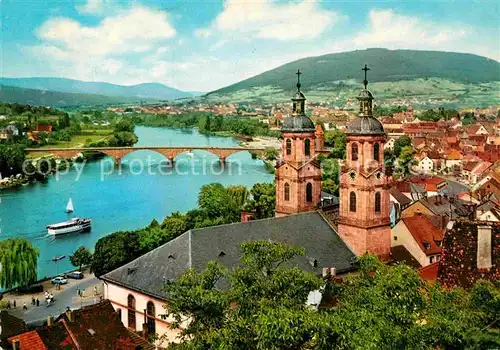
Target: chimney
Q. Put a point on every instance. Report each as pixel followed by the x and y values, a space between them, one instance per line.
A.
pixel 50 320
pixel 484 247
pixel 69 315
pixel 16 344
pixel 333 272
pixel 326 272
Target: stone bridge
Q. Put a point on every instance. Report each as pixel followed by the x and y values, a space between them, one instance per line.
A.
pixel 119 152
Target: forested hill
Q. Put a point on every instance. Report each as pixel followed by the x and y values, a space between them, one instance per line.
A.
pixel 385 66
pixel 10 94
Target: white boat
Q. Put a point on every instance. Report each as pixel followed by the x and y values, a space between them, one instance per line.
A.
pixel 69 206
pixel 73 225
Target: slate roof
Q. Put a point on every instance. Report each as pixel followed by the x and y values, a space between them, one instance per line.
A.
pixel 10 325
pixel 195 248
pixel 399 197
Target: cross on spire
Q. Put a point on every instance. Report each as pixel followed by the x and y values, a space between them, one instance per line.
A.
pixel 366 69
pixel 298 79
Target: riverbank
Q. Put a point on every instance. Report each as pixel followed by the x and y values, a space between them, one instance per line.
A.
pixel 262 142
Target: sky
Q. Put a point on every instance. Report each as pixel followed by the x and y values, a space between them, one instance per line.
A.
pixel 202 45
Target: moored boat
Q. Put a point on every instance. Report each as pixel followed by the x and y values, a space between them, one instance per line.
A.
pixel 73 225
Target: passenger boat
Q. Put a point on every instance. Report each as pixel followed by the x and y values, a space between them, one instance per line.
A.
pixel 73 225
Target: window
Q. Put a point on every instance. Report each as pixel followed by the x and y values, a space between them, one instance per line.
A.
pixel 288 146
pixel 309 192
pixel 432 259
pixel 377 202
pixel 376 152
pixel 287 192
pixel 354 151
pixel 151 318
pixel 131 311
pixel 352 202
pixel 307 147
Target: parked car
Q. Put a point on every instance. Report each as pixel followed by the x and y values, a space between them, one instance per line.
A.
pixel 77 275
pixel 59 280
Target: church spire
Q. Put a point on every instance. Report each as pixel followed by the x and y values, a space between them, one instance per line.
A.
pixel 366 69
pixel 299 100
pixel 365 97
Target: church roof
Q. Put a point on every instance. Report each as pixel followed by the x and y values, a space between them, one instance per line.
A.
pixel 195 248
pixel 365 125
pixel 299 123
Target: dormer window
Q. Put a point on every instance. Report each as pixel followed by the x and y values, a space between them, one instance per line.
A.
pixel 438 243
pixel 427 245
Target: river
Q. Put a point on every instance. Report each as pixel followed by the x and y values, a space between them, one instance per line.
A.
pixel 128 197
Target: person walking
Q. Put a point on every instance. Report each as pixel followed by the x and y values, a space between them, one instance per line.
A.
pixel 14 304
pixel 37 302
pixel 8 304
pixel 24 306
pixel 33 301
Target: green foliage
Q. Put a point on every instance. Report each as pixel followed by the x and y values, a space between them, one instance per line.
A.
pixel 12 157
pixel 401 142
pixel 383 111
pixel 468 118
pixel 256 312
pixel 382 307
pixel 406 160
pixel 18 263
pixel 271 153
pixel 124 125
pixel 115 250
pixel 122 139
pixel 438 114
pixel 330 176
pixel 82 256
pixel 263 200
pixel 337 140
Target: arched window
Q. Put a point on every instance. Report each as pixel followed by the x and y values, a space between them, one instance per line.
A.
pixel 131 311
pixel 307 147
pixel 309 192
pixel 151 317
pixel 352 202
pixel 287 192
pixel 354 151
pixel 376 152
pixel 288 146
pixel 377 202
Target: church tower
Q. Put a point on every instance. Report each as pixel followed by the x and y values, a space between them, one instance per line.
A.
pixel 364 222
pixel 298 173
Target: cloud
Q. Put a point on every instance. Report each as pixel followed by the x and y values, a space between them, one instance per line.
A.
pixel 202 33
pixel 92 7
pixel 137 29
pixel 269 20
pixel 389 29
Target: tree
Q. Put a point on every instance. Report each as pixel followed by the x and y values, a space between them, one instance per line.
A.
pixel 82 256
pixel 12 158
pixel 330 176
pixel 256 312
pixel 18 263
pixel 263 200
pixel 406 160
pixel 381 307
pixel 124 125
pixel 337 140
pixel 115 250
pixel 401 142
pixel 271 153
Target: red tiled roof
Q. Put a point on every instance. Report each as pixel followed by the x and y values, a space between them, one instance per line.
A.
pixel 470 165
pixel 422 230
pixel 430 272
pixel 481 168
pixel 431 183
pixel 29 341
pixel 453 154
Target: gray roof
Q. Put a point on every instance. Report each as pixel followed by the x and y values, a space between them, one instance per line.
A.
pixel 300 123
pixel 195 248
pixel 365 125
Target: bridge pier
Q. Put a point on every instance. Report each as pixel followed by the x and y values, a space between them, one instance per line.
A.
pixel 117 160
pixel 171 161
pixel 222 160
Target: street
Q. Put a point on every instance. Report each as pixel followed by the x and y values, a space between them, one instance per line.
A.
pixel 68 297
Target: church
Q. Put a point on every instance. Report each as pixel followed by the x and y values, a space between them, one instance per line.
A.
pixel 135 289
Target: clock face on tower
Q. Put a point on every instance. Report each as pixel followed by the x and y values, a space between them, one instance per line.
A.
pixel 352 174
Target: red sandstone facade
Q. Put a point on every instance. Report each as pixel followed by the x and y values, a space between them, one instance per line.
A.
pixel 298 173
pixel 364 222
